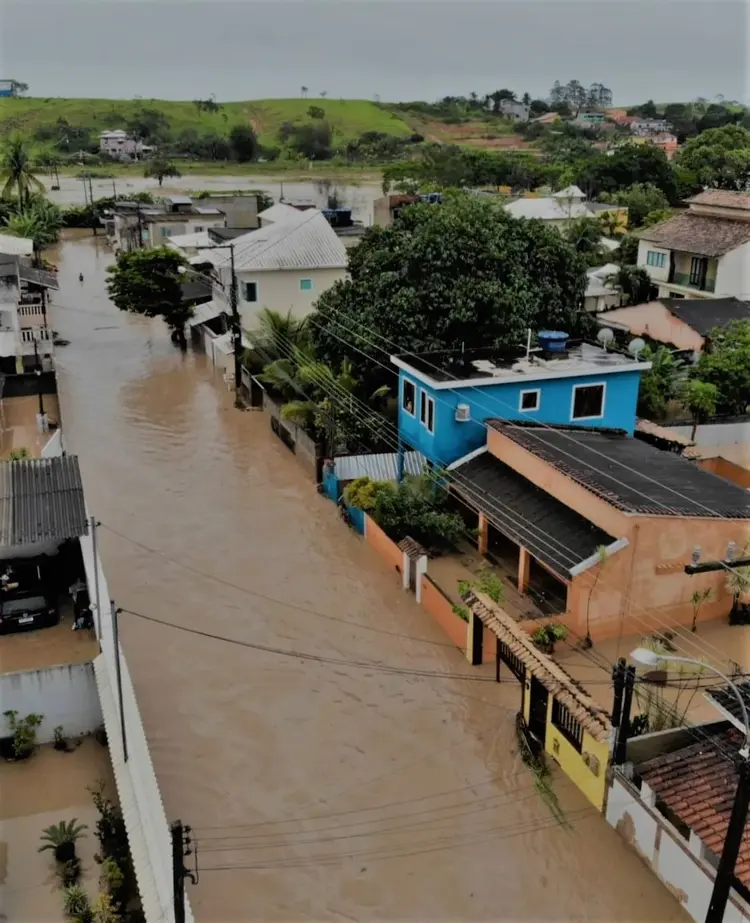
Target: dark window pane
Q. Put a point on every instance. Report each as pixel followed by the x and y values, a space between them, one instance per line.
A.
pixel 588 401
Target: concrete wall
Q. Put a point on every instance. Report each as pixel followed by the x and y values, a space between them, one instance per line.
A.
pixel 657 273
pixel 384 546
pixel 708 435
pixel 65 695
pixel 654 320
pixel 675 860
pixel 441 610
pixel 137 786
pixel 452 439
pixel 726 469
pixel 733 275
pixel 280 291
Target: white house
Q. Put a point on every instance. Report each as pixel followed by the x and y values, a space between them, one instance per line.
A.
pixel 25 338
pixel 601 293
pixel 158 224
pixel 120 145
pixel 561 207
pixel 702 252
pixel 285 265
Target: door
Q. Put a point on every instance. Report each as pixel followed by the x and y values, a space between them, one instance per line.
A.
pixel 698 271
pixel 538 697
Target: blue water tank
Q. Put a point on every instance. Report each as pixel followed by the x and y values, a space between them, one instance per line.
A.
pixel 553 341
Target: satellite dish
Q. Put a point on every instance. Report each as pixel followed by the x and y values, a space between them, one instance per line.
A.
pixel 636 347
pixel 605 336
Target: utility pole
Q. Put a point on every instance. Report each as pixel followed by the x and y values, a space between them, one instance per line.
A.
pixel 732 843
pixel 628 681
pixel 38 372
pixel 118 675
pixel 140 225
pixel 180 849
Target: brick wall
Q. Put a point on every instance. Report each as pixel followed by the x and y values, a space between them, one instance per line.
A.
pixel 726 469
pixel 440 608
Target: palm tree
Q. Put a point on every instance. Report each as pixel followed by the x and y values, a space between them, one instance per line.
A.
pixel 278 334
pixel 40 222
pixel 634 284
pixel 17 172
pixel 62 839
pixel 738 584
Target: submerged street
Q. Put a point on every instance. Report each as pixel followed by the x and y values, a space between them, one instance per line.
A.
pixel 318 790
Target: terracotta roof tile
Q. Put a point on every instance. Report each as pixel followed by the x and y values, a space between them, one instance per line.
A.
pixel 698 784
pixel 698 234
pixel 723 198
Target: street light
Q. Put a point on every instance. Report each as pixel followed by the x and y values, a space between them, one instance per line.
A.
pixel 738 818
pixel 648 658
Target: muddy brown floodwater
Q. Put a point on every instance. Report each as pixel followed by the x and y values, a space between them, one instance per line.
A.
pixel 318 791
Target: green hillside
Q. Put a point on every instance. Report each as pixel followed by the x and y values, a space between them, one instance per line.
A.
pixel 349 118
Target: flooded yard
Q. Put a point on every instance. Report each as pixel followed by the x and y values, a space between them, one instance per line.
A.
pixel 337 758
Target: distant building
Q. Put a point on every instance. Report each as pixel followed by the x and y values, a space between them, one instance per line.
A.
pixel 158 223
pixel 650 126
pixel 512 109
pixel 10 88
pixel 120 145
pixel 590 119
pixel 564 206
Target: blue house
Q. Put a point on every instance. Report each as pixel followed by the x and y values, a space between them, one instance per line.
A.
pixel 445 398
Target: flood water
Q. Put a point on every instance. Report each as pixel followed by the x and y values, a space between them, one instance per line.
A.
pixel 318 791
pixel 357 196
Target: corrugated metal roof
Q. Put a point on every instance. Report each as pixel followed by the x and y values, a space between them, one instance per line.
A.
pixel 378 467
pixel 203 313
pixel 310 243
pixel 280 212
pixel 41 499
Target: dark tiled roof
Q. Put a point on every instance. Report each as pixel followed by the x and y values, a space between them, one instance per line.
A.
pixel 698 784
pixel 630 474
pixel 41 499
pixel 196 291
pixel 726 699
pixel 698 234
pixel 703 314
pixel 560 537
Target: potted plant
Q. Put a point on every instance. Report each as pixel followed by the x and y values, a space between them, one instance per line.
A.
pixel 738 584
pixel 24 734
pixel 76 904
pixel 60 742
pixel 70 872
pixel 62 839
pixel 546 637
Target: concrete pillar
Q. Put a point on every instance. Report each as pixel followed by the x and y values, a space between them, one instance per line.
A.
pixel 524 567
pixel 483 531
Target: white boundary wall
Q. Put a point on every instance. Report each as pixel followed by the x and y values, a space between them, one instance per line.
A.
pixel 676 861
pixel 137 786
pixel 65 695
pixel 709 435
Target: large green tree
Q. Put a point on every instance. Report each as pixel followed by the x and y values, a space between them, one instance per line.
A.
pixel 464 273
pixel 40 221
pixel 160 169
pixel 243 143
pixel 640 200
pixel 17 172
pixel 149 282
pixel 726 364
pixel 719 158
pixel 625 167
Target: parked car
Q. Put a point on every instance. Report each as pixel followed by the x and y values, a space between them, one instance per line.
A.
pixel 25 598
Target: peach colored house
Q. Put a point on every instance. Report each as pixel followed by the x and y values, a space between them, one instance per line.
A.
pixel 602 524
pixel 684 323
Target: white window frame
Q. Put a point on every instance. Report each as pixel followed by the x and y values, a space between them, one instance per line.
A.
pixel 521 408
pixel 312 285
pixel 408 381
pixel 424 405
pixel 245 282
pixel 588 384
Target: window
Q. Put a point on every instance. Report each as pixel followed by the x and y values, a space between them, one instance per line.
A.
pixel 409 397
pixel 250 291
pixel 588 402
pixel 166 232
pixel 305 285
pixel 198 228
pixel 529 400
pixel 427 411
pixel 567 725
pixel 656 259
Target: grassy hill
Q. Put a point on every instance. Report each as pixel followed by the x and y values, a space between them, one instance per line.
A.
pixel 349 118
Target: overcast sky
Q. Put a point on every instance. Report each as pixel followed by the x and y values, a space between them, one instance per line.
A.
pixel 394 49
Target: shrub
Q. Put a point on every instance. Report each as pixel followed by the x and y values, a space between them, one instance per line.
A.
pixel 24 732
pixel 546 637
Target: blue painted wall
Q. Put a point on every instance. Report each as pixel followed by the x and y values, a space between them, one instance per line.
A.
pixel 452 440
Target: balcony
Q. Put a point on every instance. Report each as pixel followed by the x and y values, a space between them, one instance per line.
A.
pixel 685 280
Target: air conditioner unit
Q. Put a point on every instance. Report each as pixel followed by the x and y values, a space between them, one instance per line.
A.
pixel 463 413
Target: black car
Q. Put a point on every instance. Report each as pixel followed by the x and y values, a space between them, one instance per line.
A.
pixel 25 601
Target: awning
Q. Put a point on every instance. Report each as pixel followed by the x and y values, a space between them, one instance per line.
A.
pixel 204 312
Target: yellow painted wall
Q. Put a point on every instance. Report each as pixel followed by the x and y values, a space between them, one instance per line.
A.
pixel 572 763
